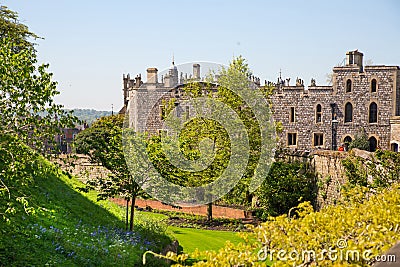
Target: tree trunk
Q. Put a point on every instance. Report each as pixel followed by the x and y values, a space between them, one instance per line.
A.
pixel 127 214
pixel 132 213
pixel 209 212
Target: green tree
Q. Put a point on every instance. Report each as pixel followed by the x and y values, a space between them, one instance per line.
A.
pixel 26 90
pixel 197 130
pixel 286 186
pixel 102 142
pixel 13 30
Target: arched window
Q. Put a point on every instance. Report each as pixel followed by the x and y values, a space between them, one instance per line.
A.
pixel 373 144
pixel 348 86
pixel 373 112
pixel 394 147
pixel 373 86
pixel 318 114
pixel 348 112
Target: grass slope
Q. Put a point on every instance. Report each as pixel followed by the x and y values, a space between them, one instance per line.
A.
pixel 50 223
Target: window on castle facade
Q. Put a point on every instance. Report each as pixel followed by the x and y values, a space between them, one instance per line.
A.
pixel 292 115
pixel 348 112
pixel 292 139
pixel 348 86
pixel 394 147
pixel 373 112
pixel 318 139
pixel 373 86
pixel 318 114
pixel 373 144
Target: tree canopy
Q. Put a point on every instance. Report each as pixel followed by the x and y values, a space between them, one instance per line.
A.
pixel 13 30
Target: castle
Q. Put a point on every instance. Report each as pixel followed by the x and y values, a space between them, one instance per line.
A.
pixel 361 98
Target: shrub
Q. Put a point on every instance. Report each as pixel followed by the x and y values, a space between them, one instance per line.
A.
pixel 360 141
pixel 286 185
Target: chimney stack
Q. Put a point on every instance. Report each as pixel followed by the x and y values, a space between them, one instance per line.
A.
pixel 152 75
pixel 196 71
pixel 355 58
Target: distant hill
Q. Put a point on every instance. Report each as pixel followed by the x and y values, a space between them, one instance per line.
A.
pixel 90 115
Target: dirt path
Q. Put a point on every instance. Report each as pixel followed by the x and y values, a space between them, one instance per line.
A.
pixel 218 211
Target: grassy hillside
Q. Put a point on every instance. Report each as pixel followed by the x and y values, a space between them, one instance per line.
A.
pixel 90 115
pixel 45 221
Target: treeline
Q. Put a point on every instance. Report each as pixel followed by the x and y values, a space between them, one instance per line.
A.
pixel 89 115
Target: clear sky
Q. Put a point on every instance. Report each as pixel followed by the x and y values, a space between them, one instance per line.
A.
pixel 91 44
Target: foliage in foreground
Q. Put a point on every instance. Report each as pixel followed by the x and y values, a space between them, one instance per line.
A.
pixel 51 223
pixel 352 233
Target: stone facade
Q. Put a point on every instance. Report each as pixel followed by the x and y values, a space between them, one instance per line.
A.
pixel 146 103
pixel 315 118
pixel 79 165
pixel 312 118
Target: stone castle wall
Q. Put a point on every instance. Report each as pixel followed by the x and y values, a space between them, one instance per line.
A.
pixel 304 103
pixel 80 166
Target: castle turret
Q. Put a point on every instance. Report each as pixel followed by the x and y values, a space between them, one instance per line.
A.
pixel 171 79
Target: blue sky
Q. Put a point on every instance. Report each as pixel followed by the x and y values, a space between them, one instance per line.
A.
pixel 90 44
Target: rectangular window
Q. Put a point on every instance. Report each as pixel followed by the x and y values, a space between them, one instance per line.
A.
pixel 292 115
pixel 318 139
pixel 292 139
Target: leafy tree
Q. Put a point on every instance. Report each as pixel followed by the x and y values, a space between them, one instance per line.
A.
pixel 26 90
pixel 236 77
pixel 14 31
pixel 102 142
pixel 286 185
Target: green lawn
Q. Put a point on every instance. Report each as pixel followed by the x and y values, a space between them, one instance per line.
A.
pixel 191 238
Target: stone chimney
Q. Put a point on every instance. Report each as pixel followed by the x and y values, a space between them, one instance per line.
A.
pixel 152 75
pixel 196 71
pixel 354 58
pixel 138 80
